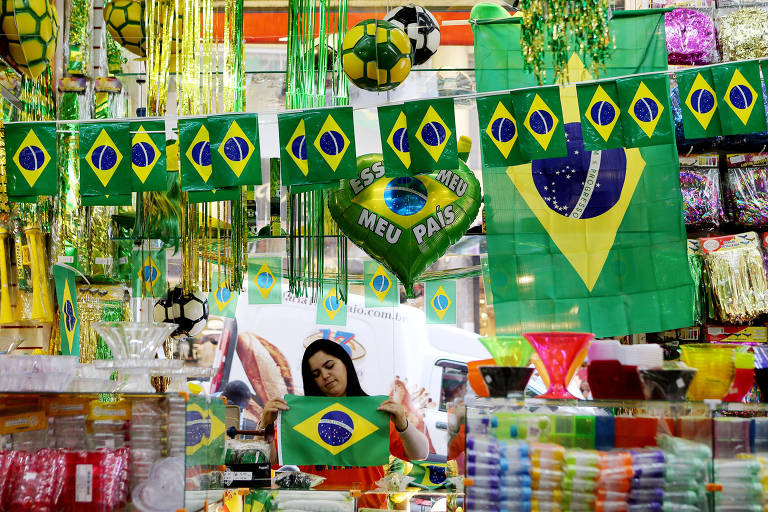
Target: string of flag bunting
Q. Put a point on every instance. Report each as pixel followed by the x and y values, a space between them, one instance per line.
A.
pixel 220 153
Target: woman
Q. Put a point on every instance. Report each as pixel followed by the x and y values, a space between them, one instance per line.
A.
pixel 327 370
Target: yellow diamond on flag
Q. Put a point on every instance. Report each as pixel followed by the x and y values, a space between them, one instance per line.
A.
pixel 440 302
pixel 149 274
pixel 541 122
pixel 602 113
pixel 332 303
pixel 398 140
pixel 31 158
pixel 264 280
pixel 502 129
pixel 297 147
pixel 104 157
pixel 649 109
pixel 702 101
pixel 223 296
pixel 236 149
pixel 380 283
pixel 433 133
pixel 68 313
pixel 331 142
pixel 144 154
pixel 199 153
pixel 740 96
pixel 335 428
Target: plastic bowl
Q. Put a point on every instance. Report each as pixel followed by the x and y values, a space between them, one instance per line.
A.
pixel 666 384
pixel 714 363
pixel 475 378
pixel 508 350
pixel 504 381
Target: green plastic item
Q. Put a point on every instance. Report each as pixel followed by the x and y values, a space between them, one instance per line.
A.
pixel 508 350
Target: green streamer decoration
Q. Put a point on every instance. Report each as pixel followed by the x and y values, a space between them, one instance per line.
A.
pixel 115 58
pixel 79 37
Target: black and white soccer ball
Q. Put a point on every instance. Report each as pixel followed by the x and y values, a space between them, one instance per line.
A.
pixel 188 311
pixel 162 312
pixel 422 29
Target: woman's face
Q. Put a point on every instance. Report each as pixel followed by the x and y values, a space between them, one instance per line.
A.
pixel 329 373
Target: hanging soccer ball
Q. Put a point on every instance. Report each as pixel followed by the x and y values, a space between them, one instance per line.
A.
pixel 422 29
pixel 376 55
pixel 162 312
pixel 125 23
pixel 30 29
pixel 191 312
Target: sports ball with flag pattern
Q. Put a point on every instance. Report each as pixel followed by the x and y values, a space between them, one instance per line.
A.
pixel 376 55
pixel 30 30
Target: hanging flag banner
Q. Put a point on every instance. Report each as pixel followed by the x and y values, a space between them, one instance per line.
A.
pixel 331 309
pixel 381 286
pixel 645 110
pixel 148 273
pixel 105 162
pixel 148 160
pixel 222 301
pixel 431 127
pixel 440 301
pixel 294 167
pixel 30 159
pixel 333 431
pixel 69 317
pixel 698 103
pixel 235 151
pixel 195 155
pixel 499 132
pixel 540 118
pixel 395 144
pixel 217 194
pixel 740 93
pixel 600 114
pixel 331 152
pixel 265 281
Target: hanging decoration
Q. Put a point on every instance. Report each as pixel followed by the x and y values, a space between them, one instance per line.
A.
pixel 422 29
pixel 30 32
pixel 742 34
pixel 377 56
pixel 80 27
pixel 558 27
pixel 690 37
pixel 405 223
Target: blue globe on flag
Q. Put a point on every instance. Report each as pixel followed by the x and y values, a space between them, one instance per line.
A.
pixel 335 428
pixel 104 157
pixel 31 158
pixel 201 153
pixel 264 280
pixel 433 133
pixel 741 96
pixel 405 195
pixel 603 113
pixel 236 148
pixel 142 154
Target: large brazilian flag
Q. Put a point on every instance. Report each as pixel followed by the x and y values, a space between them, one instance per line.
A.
pixel 593 241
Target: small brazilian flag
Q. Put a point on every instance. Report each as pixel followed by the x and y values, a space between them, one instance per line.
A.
pixel 105 163
pixel 646 114
pixel 222 301
pixel 698 102
pixel 331 309
pixel 381 286
pixel 206 429
pixel 217 194
pixel 395 145
pixel 265 281
pixel 148 156
pixel 148 273
pixel 499 132
pixel 195 155
pixel 69 318
pixel 431 126
pixel 740 95
pixel 600 116
pixel 332 155
pixel 333 431
pixel 235 152
pixel 540 118
pixel 294 167
pixel 30 159
pixel 440 300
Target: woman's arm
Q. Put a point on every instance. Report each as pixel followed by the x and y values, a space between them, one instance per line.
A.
pixel 267 422
pixel 414 441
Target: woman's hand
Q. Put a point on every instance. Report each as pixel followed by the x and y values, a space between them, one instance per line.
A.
pixel 396 411
pixel 271 408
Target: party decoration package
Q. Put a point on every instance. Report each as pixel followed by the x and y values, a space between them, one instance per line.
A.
pixel 700 185
pixel 746 189
pixel 331 431
pixel 690 37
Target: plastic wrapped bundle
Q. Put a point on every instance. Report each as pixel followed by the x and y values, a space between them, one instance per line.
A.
pixel 700 186
pixel 746 190
pixel 690 37
pixel 696 265
pixel 743 34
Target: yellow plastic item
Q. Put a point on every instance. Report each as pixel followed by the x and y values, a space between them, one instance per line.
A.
pixel 6 309
pixel 715 365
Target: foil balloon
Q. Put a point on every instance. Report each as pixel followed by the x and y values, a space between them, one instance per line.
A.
pixel 405 223
pixel 30 29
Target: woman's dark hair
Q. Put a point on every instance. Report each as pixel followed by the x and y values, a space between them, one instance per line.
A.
pixel 332 349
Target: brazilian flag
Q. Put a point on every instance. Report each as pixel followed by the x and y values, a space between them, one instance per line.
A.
pixel 645 110
pixel 333 431
pixel 331 308
pixel 431 127
pixel 265 280
pixel 699 105
pixel 206 425
pixel 148 273
pixel 148 156
pixel 105 163
pixel 499 131
pixel 395 144
pixel 600 113
pixel 381 286
pixel 740 93
pixel 540 119
pixel 440 300
pixel 294 165
pixel 235 152
pixel 222 300
pixel 331 151
pixel 69 317
pixel 30 159
pixel 195 155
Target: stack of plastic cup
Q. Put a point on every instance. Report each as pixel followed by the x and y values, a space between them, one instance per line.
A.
pixel 581 467
pixel 742 489
pixel 547 474
pixel 688 465
pixel 614 482
pixel 501 475
pixel 647 490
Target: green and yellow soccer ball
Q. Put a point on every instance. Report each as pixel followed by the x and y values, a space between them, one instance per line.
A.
pixel 125 23
pixel 30 29
pixel 376 55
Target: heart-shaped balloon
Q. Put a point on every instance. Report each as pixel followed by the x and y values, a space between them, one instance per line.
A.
pixel 405 223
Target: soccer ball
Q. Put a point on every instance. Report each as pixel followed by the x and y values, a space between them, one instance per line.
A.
pixel 125 23
pixel 162 312
pixel 422 29
pixel 30 29
pixel 189 312
pixel 376 55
